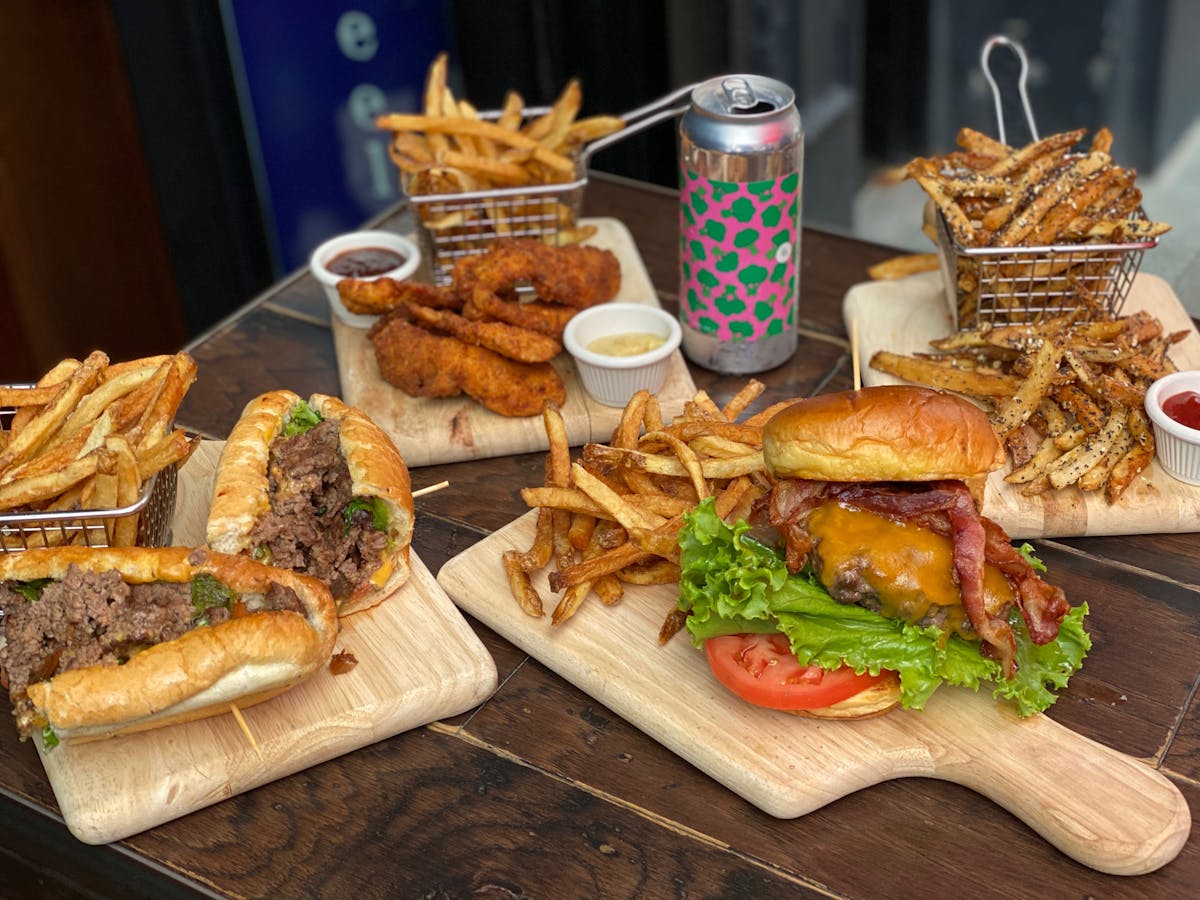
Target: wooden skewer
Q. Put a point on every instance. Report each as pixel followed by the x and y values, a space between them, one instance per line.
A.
pixel 430 489
pixel 855 363
pixel 237 715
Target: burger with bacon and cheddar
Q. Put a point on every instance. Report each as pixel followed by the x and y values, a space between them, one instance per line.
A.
pixel 885 581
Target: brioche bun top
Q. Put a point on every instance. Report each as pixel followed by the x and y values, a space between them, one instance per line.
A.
pixel 884 433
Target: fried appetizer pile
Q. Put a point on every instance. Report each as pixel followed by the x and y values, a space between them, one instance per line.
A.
pixel 480 335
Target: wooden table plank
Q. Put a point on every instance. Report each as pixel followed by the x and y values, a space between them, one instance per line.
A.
pixel 575 798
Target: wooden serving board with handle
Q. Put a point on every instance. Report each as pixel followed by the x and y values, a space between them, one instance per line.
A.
pixel 1106 810
pixel 903 316
pixel 417 661
pixel 431 430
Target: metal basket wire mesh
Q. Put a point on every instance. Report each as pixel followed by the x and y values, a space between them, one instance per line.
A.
pixel 1024 285
pixel 154 510
pixel 464 224
pixel 1018 285
pixel 455 225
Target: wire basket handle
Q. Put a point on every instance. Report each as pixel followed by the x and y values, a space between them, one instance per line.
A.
pixel 642 118
pixel 998 40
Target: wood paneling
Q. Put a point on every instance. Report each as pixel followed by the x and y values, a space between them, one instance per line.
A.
pixel 83 261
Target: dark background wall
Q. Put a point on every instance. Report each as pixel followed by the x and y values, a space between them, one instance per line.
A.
pixel 161 163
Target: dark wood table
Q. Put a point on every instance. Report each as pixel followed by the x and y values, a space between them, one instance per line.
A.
pixel 541 791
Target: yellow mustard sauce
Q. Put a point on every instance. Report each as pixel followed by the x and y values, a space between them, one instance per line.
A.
pixel 630 343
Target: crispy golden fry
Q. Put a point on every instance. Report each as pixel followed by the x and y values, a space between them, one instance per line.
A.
pixel 1074 414
pixel 981 144
pixel 658 464
pixel 123 529
pixel 459 126
pixel 944 375
pixel 34 395
pixel 672 624
pixel 81 450
pixel 655 571
pixel 624 502
pixel 614 504
pixel 30 437
pixel 903 266
pixel 519 583
pixel 23 492
pixel 450 148
pixel 572 234
pixel 1040 199
pixel 1025 399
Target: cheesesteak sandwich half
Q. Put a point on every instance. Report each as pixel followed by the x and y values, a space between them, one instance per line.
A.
pixel 316 487
pixel 889 581
pixel 98 642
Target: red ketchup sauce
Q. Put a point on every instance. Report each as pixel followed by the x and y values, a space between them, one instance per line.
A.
pixel 1184 408
pixel 364 262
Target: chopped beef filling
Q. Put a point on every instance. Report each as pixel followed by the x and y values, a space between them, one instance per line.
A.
pixel 306 530
pixel 96 618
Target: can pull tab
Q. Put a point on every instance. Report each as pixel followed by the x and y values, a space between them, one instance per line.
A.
pixel 742 99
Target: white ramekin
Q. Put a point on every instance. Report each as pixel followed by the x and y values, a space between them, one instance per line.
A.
pixel 352 240
pixel 1177 446
pixel 612 380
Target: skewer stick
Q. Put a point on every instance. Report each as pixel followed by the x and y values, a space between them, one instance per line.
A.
pixel 237 715
pixel 854 359
pixel 430 488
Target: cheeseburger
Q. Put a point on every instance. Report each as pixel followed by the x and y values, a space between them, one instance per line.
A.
pixel 880 579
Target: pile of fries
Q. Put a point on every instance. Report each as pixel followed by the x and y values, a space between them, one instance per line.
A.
pixel 449 149
pixel 1042 195
pixel 88 436
pixel 613 516
pixel 1065 396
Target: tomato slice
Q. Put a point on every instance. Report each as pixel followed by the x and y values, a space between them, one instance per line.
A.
pixel 761 669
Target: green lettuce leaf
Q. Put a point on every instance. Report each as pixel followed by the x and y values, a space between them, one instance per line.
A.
pixel 301 418
pixel 731 583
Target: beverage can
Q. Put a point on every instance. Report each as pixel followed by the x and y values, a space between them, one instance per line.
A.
pixel 741 158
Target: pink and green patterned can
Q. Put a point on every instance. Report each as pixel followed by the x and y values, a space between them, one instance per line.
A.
pixel 741 177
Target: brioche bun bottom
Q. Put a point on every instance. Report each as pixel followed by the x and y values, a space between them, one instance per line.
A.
pixel 878 699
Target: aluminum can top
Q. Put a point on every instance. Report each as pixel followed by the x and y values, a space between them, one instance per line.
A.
pixel 742 114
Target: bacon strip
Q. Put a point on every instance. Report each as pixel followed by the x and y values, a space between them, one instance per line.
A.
pixel 969 550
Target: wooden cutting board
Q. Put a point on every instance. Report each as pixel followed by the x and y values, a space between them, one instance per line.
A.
pixel 1106 809
pixel 438 430
pixel 418 661
pixel 905 315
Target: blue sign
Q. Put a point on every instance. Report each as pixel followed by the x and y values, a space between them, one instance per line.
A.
pixel 312 77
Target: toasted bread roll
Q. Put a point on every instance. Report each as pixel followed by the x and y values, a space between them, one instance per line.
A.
pixel 112 659
pixel 337 508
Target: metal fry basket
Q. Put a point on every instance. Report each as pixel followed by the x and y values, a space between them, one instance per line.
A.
pixel 462 224
pixel 1021 285
pixel 154 510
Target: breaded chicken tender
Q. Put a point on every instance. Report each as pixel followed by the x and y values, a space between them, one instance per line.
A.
pixel 577 275
pixel 425 364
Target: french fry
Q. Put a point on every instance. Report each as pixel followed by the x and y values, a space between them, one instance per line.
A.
pixel 519 584
pixel 33 395
pixel 123 531
pixel 944 375
pixel 1079 388
pixel 459 126
pixel 903 266
pixel 44 424
pixel 77 451
pixel 626 500
pixel 1025 399
pixel 25 491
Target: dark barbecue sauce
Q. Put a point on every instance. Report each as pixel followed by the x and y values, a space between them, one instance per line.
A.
pixel 364 262
pixel 1184 408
